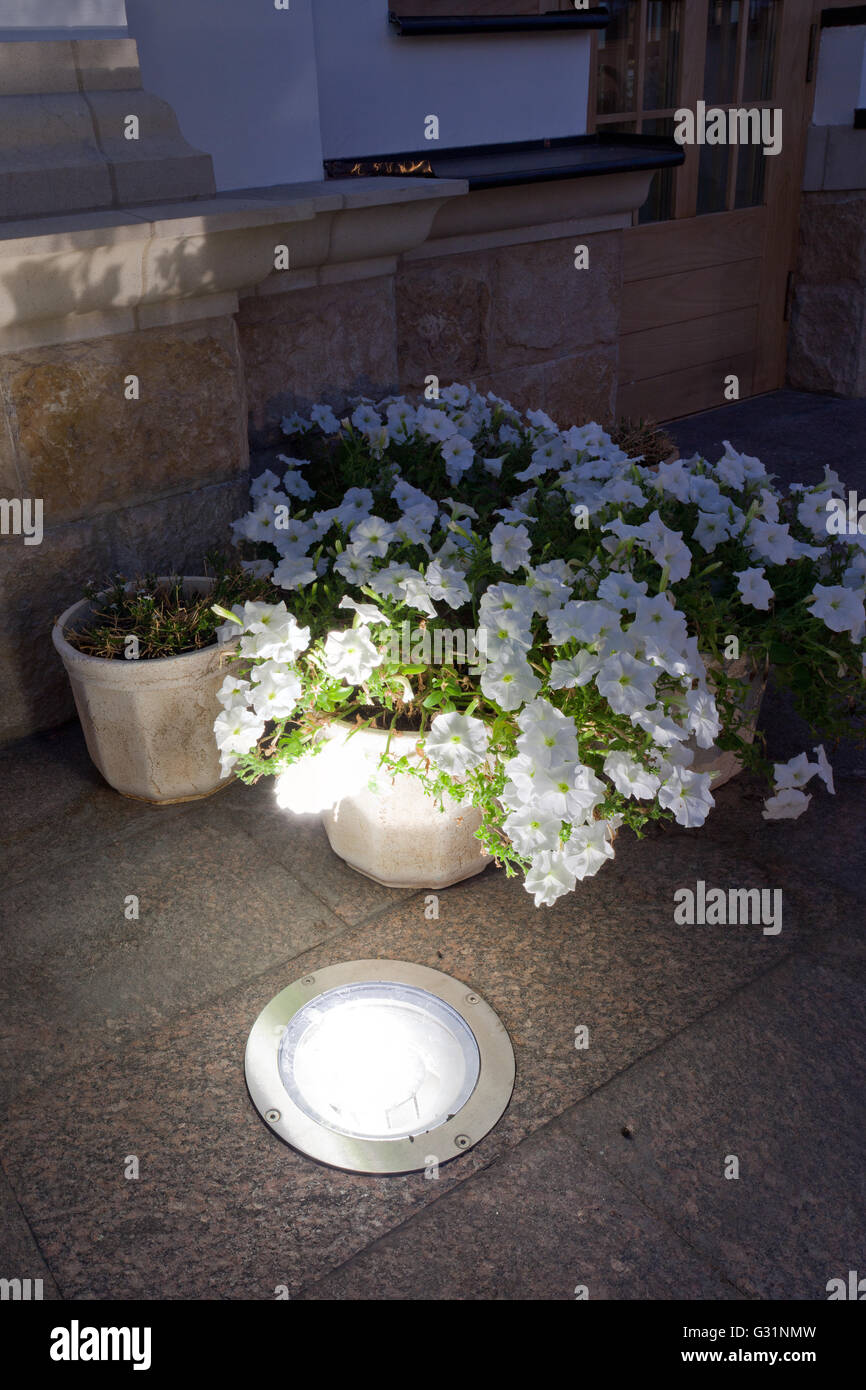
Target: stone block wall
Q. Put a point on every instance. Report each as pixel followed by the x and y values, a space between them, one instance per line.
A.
pixel 128 485
pixel 326 342
pixel 827 341
pixel 517 320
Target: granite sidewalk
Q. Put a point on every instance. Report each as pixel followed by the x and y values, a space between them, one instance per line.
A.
pixel 607 1172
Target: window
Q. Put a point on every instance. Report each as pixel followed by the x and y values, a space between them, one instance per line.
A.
pixel 638 81
pixel 658 55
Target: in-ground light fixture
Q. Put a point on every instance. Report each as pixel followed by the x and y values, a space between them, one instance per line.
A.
pixel 379 1066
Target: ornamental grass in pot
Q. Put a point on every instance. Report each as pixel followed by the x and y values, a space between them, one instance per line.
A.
pixel 145 659
pixel 617 621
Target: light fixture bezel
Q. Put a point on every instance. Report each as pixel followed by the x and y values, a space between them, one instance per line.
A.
pixel 446 1141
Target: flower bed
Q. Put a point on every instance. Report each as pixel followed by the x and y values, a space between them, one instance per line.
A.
pixel 604 602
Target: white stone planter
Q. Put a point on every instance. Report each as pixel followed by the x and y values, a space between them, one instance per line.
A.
pixel 396 835
pixel 149 723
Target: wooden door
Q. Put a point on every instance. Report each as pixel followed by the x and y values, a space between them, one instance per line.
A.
pixel 706 267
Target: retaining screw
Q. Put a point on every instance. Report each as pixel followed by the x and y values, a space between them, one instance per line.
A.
pixel 462 1141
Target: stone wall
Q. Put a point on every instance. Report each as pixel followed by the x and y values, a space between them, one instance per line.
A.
pixel 128 485
pixel 387 283
pixel 518 320
pixel 827 342
pixel 322 343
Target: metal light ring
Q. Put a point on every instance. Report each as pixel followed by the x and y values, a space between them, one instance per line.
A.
pixel 448 1140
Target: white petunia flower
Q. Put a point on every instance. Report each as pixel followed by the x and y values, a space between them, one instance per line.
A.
pixel 771 541
pixel 457 742
pixel 531 831
pixel 787 804
pixel 549 878
pixel 354 507
pixel 588 847
pixel 232 692
pixel 415 593
pixel 371 537
pixel 276 691
pixel 435 424
pixel 507 603
pixel 238 730
pixel 628 685
pixel 510 546
pixel 459 456
pixel 840 609
pixel 446 585
pixel 510 682
pixel 493 465
pixel 711 529
pixel 415 503
pixel 704 722
pixel 582 621
pixel 296 485
pixel 366 419
pixel 825 771
pixel 354 568
pixel 266 486
pixel 351 655
pixel 688 795
pixel 293 572
pixel 388 581
pixel 324 417
pixel 630 778
pixel 621 591
pixel 796 772
pixel 367 612
pixel 754 588
pixel 576 671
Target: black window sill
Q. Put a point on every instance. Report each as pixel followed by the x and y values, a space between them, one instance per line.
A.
pixel 557 21
pixel 842 18
pixel 524 161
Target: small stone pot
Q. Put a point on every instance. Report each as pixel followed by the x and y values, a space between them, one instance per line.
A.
pixel 397 835
pixel 727 765
pixel 149 723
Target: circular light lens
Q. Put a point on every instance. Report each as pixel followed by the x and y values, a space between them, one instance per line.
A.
pixel 378 1060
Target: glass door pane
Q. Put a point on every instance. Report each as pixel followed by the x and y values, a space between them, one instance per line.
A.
pixel 760 50
pixel 720 73
pixel 662 70
pixel 617 59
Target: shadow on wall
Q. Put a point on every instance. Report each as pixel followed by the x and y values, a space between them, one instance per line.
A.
pixel 136 443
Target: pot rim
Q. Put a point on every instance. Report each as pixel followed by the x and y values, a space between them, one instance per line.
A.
pixel 65 648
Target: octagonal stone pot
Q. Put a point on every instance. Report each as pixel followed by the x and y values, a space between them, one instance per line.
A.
pixel 396 834
pixel 148 723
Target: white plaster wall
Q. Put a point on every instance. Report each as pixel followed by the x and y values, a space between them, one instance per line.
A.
pixel 841 79
pixel 375 88
pixel 241 77
pixel 44 15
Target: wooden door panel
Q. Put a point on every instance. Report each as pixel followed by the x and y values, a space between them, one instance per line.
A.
pixel 685 392
pixel 692 243
pixel 704 295
pixel 689 294
pixel 677 346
